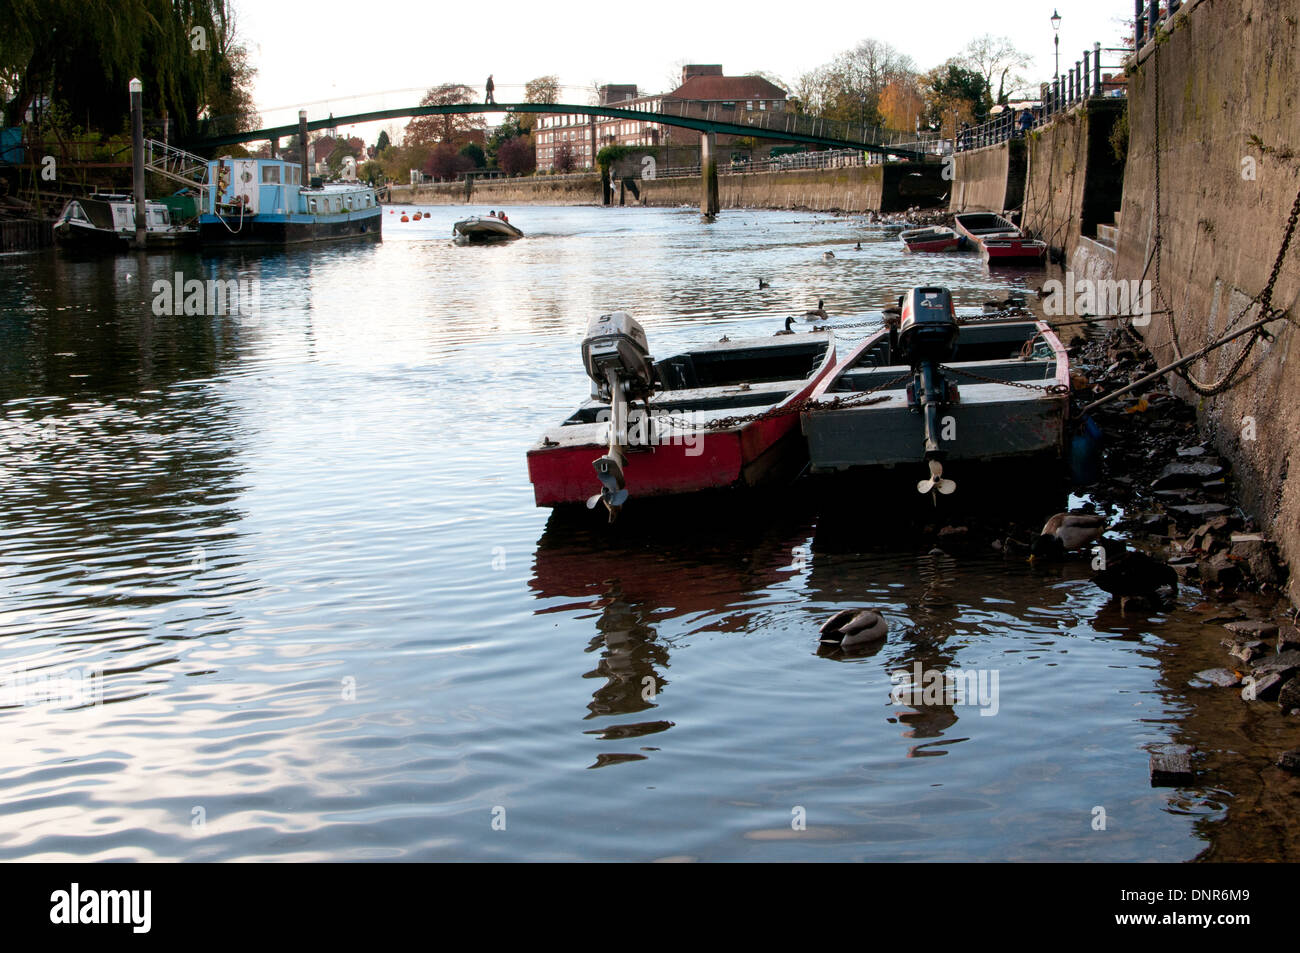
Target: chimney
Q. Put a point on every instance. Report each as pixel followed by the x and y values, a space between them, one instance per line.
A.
pixel 699 69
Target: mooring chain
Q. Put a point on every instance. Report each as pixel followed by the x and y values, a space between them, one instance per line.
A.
pixel 1264 299
pixel 1045 388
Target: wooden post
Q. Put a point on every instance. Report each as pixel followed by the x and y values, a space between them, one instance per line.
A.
pixel 709 204
pixel 137 170
pixel 302 141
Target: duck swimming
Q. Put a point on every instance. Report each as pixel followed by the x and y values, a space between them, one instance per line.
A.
pixel 1130 574
pixel 819 313
pixel 854 628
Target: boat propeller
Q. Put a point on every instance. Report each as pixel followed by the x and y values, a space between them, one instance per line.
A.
pixel 613 492
pixel 937 482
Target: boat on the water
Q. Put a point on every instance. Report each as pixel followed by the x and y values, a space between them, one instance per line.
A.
pixel 933 239
pixel 929 389
pixel 481 229
pixel 264 202
pixel 106 222
pixel 999 241
pixel 719 416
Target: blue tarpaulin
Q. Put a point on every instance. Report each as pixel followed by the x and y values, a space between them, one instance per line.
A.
pixel 11 146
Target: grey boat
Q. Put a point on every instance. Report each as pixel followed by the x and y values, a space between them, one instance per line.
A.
pixel 928 389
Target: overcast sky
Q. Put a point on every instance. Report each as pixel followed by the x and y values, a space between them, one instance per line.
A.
pixel 323 56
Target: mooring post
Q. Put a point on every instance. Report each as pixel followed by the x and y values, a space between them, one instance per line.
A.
pixel 1096 65
pixel 137 170
pixel 709 204
pixel 302 141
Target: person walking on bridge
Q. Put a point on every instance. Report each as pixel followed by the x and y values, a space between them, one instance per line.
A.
pixel 491 100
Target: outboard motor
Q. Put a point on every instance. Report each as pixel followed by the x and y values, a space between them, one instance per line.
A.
pixel 618 361
pixel 927 336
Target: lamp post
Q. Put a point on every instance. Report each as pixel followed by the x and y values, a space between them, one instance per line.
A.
pixel 1056 29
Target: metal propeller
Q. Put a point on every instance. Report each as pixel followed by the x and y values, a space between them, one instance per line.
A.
pixel 937 482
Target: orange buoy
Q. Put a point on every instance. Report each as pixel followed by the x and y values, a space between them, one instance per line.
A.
pixel 416 216
pixel 405 219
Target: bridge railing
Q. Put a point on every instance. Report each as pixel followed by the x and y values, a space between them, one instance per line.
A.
pixel 1081 82
pixel 780 120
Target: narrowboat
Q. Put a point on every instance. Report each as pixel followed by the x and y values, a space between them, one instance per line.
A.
pixel 481 229
pixel 265 202
pixel 106 222
pixel 720 416
pixel 932 239
pixel 928 389
pixel 999 241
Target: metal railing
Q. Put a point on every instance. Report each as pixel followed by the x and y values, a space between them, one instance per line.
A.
pixel 1081 82
pixel 780 120
pixel 1147 17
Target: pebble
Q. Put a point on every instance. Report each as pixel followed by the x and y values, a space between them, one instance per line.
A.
pixel 1290 761
pixel 1284 664
pixel 1262 688
pixel 1247 651
pixel 1253 628
pixel 1288 695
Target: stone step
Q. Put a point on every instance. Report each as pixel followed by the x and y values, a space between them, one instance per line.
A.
pixel 1108 235
pixel 1117 218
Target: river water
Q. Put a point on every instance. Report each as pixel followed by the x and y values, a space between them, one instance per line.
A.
pixel 294 560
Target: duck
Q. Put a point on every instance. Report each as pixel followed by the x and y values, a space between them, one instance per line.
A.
pixel 818 314
pixel 854 628
pixel 858 247
pixel 1132 575
pixel 763 284
pixel 827 256
pixel 1066 532
pixel 788 329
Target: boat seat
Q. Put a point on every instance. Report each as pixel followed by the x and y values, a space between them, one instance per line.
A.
pixel 678 373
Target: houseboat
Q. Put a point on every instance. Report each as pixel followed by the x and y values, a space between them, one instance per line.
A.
pixel 719 416
pixel 265 202
pixel 106 222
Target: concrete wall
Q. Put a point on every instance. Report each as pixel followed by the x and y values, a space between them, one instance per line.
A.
pixel 991 179
pixel 1073 176
pixel 878 188
pixel 1229 76
pixel 582 189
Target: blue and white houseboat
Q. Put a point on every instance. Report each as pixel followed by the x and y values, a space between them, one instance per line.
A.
pixel 264 202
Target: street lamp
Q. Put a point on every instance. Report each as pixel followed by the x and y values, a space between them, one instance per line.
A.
pixel 1056 28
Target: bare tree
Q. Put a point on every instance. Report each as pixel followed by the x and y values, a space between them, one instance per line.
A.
pixel 999 62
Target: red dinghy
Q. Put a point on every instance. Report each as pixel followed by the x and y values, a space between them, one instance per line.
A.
pixel 1000 242
pixel 720 416
pixel 932 240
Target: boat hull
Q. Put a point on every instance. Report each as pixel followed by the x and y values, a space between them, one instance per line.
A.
pixel 484 231
pixel 932 240
pixel 228 230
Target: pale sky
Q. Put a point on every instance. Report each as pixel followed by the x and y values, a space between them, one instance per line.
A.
pixel 339 58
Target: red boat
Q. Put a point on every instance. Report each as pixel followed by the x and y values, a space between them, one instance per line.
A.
pixel 932 239
pixel 717 417
pixel 1000 242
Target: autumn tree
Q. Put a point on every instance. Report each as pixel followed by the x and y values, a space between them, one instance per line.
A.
pixel 516 156
pixel 901 103
pixel 445 163
pixel 955 95
pixel 849 87
pixel 453 128
pixel 543 89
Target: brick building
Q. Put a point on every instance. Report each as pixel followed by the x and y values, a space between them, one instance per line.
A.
pixel 704 91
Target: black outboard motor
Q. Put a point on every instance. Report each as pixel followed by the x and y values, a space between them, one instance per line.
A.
pixel 927 336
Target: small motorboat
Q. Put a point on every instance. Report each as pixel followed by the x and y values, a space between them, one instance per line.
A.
pixel 720 416
pixel 933 239
pixel 1000 242
pixel 927 388
pixel 480 229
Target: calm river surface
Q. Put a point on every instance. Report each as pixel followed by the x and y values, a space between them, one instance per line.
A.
pixel 303 553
